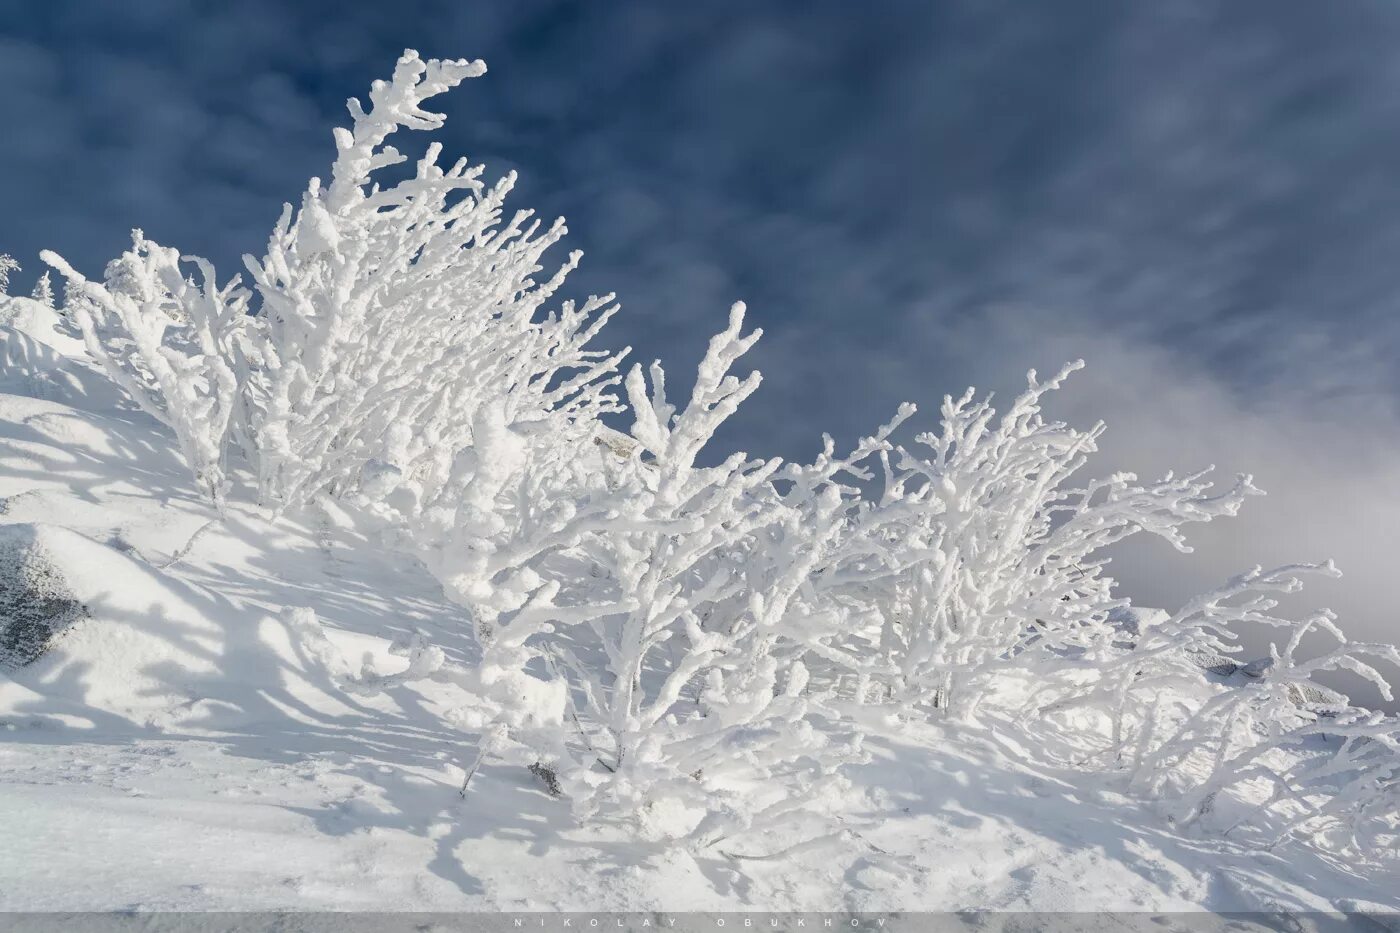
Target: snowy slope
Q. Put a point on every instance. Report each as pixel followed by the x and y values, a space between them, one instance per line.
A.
pixel 185 746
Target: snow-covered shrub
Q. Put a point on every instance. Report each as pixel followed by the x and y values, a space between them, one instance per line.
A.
pixel 399 322
pixel 171 342
pixel 631 605
pixel 974 568
pixel 682 644
pixel 691 717
pixel 1355 760
pixel 504 550
pixel 403 364
pixel 977 556
pixel 388 324
pixel 1324 763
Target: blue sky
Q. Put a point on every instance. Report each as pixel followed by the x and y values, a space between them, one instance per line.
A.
pixel 1202 199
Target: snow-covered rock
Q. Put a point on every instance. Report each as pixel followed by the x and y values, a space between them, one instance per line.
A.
pixel 1132 621
pixel 1217 664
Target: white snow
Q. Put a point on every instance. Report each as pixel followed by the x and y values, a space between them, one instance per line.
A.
pixel 190 746
pixel 335 591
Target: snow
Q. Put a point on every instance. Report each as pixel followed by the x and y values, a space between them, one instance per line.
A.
pixel 190 746
pixel 344 573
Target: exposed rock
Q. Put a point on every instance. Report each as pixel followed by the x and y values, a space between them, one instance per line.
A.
pixel 548 778
pixel 1304 696
pixel 37 605
pixel 1310 697
pixel 1215 663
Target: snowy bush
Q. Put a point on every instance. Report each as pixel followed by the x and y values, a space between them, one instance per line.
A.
pixel 632 636
pixel 975 568
pixel 693 718
pixel 390 324
pixel 688 646
pixel 171 342
pixel 397 322
pixel 977 556
pixel 1324 763
pixel 404 366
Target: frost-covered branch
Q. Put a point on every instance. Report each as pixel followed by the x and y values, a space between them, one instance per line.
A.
pixel 686 694
pixel 171 342
pixel 397 321
pixel 977 554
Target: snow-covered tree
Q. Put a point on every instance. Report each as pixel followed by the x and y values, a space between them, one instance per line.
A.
pixel 8 265
pixel 43 291
pixel 977 568
pixel 403 365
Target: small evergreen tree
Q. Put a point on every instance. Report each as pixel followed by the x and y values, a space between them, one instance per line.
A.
pixel 7 265
pixel 43 291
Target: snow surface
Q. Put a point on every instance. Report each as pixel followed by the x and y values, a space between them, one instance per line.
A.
pixel 187 747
